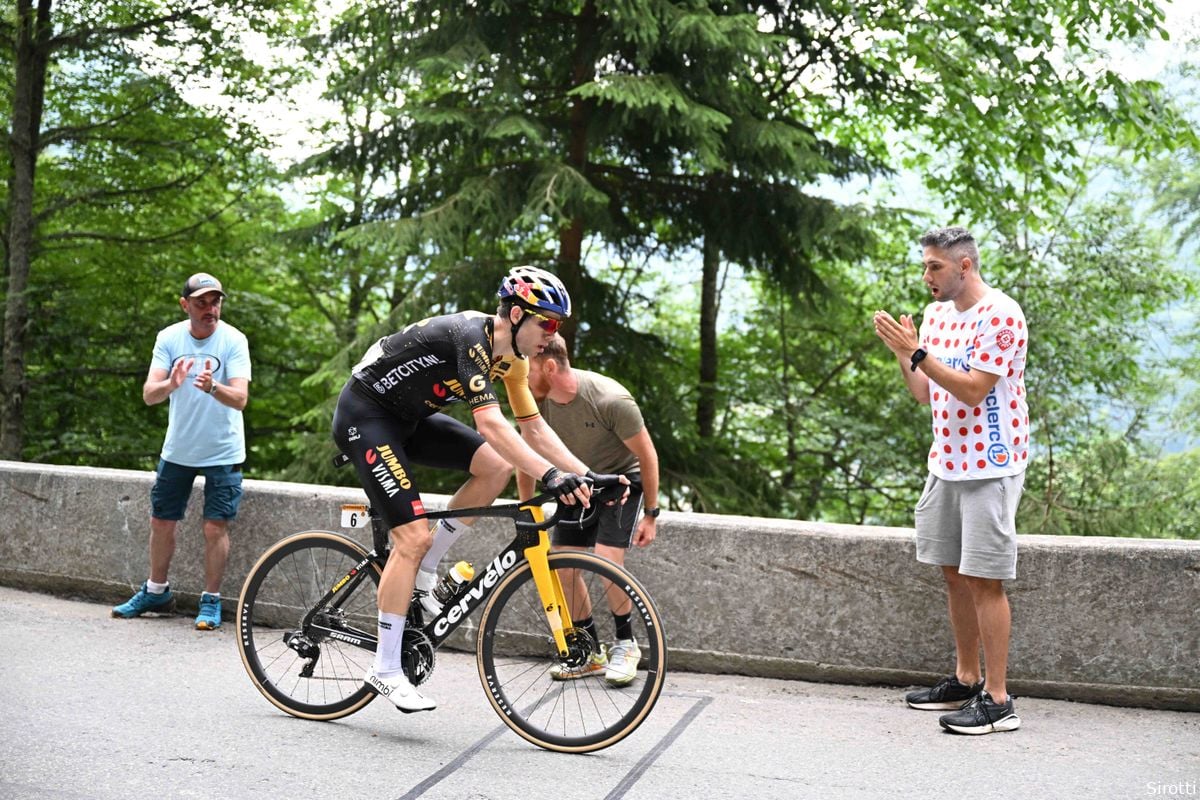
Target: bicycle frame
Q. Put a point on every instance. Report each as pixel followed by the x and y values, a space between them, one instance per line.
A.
pixel 528 545
pixel 532 544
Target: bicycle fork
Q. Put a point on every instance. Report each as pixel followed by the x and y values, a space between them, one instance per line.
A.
pixel 549 587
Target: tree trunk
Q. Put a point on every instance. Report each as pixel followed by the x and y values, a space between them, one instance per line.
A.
pixel 29 86
pixel 788 480
pixel 706 402
pixel 570 237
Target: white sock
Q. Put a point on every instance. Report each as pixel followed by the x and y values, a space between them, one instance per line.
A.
pixel 391 635
pixel 445 534
pixel 156 588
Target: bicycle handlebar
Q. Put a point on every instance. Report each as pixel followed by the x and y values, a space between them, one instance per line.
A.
pixel 609 486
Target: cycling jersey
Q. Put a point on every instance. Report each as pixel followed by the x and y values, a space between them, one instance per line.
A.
pixel 441 360
pixel 386 418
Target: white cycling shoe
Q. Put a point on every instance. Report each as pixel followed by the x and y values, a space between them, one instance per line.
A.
pixel 426 581
pixel 402 693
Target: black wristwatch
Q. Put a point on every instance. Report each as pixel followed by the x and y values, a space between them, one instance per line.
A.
pixel 917 357
pixel 652 513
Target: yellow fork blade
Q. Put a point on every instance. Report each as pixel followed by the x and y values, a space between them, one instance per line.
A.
pixel 548 585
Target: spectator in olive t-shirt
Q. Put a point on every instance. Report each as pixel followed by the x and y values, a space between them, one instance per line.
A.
pixel 599 421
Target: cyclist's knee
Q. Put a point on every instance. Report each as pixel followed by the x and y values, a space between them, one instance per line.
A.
pixel 487 463
pixel 411 540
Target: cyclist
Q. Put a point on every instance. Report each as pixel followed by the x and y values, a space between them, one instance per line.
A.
pixel 387 418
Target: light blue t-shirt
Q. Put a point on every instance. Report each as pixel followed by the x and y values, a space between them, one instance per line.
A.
pixel 202 431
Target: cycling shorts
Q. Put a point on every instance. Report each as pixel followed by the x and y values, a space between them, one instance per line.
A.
pixel 383 447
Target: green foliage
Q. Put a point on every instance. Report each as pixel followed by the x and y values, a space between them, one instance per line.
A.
pixel 1111 486
pixel 136 189
pixel 612 141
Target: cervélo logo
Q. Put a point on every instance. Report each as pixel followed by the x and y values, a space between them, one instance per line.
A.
pixel 495 571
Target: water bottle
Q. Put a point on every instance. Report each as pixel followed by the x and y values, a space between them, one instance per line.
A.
pixel 453 582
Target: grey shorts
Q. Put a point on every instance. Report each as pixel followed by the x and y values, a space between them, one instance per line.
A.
pixel 970 525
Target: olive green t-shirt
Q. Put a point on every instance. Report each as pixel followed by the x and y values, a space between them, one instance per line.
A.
pixel 595 424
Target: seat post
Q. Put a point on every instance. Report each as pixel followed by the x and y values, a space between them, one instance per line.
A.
pixel 379 533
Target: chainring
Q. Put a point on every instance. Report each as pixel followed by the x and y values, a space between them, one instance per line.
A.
pixel 418 656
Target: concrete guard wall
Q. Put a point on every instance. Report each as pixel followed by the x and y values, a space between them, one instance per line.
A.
pixel 1108 620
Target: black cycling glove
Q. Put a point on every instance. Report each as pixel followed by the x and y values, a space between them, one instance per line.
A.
pixel 561 484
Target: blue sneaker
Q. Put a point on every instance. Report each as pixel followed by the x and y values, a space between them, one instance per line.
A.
pixel 209 618
pixel 143 601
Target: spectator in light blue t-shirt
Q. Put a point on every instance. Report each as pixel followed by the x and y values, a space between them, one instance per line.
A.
pixel 202 365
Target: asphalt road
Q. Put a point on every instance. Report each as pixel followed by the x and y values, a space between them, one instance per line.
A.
pixel 102 709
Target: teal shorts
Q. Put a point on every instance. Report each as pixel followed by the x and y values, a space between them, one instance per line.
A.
pixel 173 487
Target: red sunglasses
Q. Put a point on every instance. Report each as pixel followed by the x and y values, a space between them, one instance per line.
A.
pixel 548 324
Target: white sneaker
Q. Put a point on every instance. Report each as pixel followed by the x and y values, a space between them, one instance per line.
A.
pixel 623 659
pixel 402 693
pixel 426 581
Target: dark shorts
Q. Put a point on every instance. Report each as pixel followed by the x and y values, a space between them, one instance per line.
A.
pixel 612 525
pixel 383 447
pixel 173 487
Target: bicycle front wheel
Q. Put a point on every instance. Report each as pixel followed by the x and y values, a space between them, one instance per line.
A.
pixel 313 671
pixel 584 702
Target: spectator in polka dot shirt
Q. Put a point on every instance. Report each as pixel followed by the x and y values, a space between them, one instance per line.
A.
pixel 967 362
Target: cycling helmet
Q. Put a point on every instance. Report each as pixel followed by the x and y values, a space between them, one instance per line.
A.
pixel 535 288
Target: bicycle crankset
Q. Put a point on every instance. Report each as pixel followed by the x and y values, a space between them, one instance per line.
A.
pixel 418 656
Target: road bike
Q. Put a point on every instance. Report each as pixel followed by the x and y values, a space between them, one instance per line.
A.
pixel 307 615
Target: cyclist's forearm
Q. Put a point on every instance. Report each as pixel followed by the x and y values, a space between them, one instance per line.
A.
pixel 505 441
pixel 650 482
pixel 542 438
pixel 234 394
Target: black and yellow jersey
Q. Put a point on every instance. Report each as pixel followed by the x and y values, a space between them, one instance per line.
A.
pixel 441 360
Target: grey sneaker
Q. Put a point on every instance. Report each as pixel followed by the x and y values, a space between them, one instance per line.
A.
pixel 983 715
pixel 948 694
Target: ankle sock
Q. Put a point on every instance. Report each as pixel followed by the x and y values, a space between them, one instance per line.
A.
pixel 388 656
pixel 624 625
pixel 589 625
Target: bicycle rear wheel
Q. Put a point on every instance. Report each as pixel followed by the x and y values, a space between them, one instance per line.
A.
pixel 522 672
pixel 314 671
